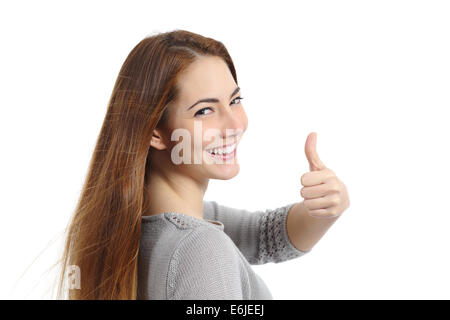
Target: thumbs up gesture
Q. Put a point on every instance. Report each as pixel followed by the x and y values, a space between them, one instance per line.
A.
pixel 325 196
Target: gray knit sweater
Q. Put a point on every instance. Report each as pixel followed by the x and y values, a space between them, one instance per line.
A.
pixel 183 257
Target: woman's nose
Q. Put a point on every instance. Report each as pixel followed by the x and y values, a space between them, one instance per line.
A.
pixel 233 124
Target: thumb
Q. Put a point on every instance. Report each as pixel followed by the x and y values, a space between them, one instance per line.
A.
pixel 315 163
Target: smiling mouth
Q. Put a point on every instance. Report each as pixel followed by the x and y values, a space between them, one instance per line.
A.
pixel 223 151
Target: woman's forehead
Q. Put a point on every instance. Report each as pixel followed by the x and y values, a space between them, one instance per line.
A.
pixel 208 77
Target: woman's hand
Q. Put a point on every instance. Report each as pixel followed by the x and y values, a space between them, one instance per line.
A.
pixel 325 196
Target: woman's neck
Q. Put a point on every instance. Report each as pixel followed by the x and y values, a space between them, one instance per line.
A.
pixel 175 193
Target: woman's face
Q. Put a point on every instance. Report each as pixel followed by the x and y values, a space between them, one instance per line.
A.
pixel 194 128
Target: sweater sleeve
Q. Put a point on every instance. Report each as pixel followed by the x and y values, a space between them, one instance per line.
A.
pixel 204 266
pixel 261 236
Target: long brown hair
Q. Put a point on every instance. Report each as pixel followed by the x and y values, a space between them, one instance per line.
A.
pixel 104 231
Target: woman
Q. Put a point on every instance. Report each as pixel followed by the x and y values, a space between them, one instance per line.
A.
pixel 141 229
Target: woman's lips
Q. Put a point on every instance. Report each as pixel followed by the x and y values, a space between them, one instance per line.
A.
pixel 230 148
pixel 224 156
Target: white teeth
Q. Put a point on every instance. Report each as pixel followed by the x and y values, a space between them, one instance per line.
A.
pixel 223 150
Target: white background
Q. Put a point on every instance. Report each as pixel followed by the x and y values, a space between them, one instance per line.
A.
pixel 372 78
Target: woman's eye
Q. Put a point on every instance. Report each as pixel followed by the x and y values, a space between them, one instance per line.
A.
pixel 238 98
pixel 199 112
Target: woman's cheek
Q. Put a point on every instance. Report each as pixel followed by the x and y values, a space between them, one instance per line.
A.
pixel 244 120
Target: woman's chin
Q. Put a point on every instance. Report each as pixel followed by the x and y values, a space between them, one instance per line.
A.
pixel 224 171
pixel 222 168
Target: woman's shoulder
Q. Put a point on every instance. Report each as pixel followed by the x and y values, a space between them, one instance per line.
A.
pixel 180 248
pixel 184 248
pixel 205 265
pixel 167 232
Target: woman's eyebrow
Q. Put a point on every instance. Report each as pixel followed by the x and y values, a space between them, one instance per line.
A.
pixel 214 99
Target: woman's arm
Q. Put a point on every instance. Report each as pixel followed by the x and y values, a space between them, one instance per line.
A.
pixel 261 236
pixel 290 231
pixel 305 231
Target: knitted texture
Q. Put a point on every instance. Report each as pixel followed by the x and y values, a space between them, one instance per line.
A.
pixel 183 257
pixel 261 236
pixel 202 269
pixel 274 243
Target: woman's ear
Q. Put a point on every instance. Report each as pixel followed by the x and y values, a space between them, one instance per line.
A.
pixel 157 141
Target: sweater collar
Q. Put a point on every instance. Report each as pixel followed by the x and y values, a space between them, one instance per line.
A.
pixel 184 220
